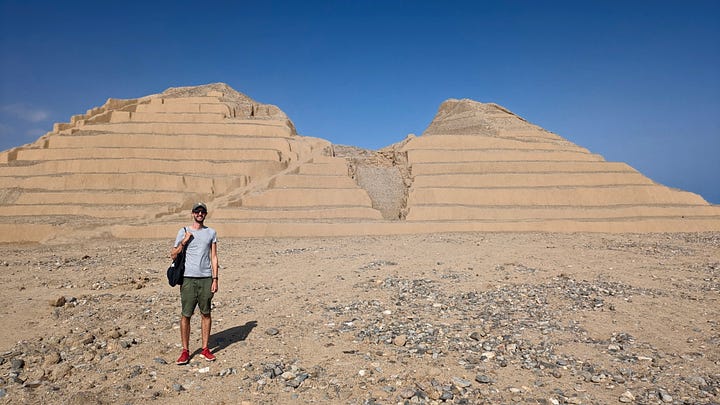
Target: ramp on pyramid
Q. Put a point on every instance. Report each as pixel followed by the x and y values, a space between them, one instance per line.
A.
pixel 133 168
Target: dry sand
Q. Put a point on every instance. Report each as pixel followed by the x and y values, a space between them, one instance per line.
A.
pixel 453 318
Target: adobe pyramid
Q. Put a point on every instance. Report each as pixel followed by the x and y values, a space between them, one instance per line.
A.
pixel 480 162
pixel 132 168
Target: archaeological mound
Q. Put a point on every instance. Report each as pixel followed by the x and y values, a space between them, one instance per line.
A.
pixel 133 168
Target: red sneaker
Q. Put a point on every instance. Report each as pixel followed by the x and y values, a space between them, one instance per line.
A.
pixel 184 358
pixel 207 354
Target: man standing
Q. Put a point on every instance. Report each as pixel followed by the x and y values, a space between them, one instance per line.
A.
pixel 200 281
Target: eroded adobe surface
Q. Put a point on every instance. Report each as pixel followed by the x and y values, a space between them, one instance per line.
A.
pixel 132 168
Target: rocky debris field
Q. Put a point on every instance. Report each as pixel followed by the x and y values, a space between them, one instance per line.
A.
pixel 418 319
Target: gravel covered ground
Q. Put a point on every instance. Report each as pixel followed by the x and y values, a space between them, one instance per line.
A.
pixel 419 319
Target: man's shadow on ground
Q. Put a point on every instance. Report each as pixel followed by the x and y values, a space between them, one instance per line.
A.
pixel 235 334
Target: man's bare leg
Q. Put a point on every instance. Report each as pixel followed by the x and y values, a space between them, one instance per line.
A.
pixel 206 325
pixel 185 332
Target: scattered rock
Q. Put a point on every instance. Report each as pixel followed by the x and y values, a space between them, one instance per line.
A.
pixel 476 335
pixel 272 331
pixel 84 398
pixel 483 379
pixel 57 302
pixel 32 384
pixel 228 371
pixel 114 334
pixel 60 371
pixel 407 393
pixel 17 364
pixel 626 397
pixel 461 382
pixel 51 359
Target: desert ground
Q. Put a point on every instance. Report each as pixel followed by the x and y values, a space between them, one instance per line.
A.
pixel 419 319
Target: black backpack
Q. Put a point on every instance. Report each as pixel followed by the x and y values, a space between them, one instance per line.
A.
pixel 177 268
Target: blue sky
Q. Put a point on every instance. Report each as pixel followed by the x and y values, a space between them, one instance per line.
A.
pixel 634 81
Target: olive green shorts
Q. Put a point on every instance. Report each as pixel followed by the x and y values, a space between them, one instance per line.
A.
pixel 196 292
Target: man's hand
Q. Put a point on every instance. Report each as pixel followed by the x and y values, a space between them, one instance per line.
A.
pixel 187 238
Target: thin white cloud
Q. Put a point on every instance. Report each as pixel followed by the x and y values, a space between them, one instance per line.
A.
pixel 25 113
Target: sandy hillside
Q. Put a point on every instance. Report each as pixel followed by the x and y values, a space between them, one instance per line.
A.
pixel 442 318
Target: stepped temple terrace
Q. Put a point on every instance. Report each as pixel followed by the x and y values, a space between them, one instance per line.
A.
pixel 133 168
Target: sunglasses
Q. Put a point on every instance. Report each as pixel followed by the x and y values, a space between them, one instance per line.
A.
pixel 200 212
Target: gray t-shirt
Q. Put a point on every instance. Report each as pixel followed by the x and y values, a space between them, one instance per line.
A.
pixel 197 256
